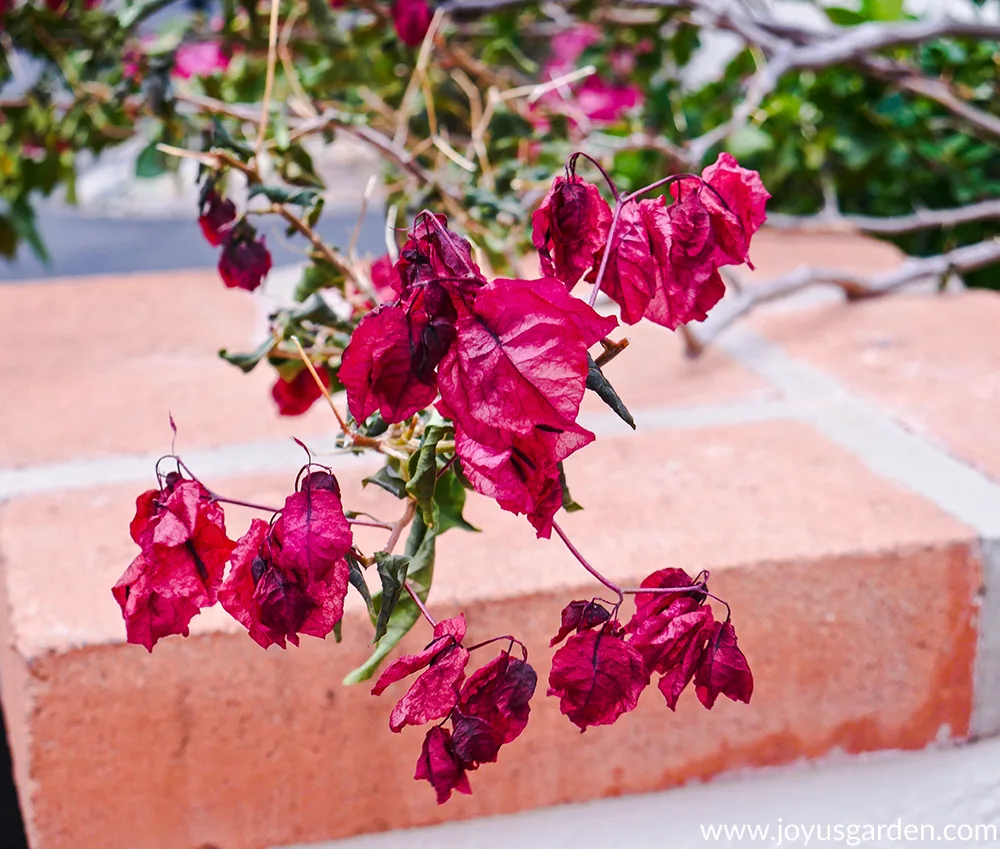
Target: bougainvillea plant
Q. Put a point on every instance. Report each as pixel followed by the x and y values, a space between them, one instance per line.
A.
pixel 466 382
pixel 459 369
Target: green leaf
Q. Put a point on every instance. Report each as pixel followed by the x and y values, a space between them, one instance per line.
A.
pixel 247 362
pixel 22 216
pixel 423 471
pixel 221 137
pixel 151 162
pixel 568 504
pixel 749 141
pixel 449 499
pixel 392 570
pixel 882 10
pixel 317 310
pixel 389 479
pixel 319 275
pixel 359 583
pixel 844 17
pixel 285 194
pixel 420 547
pixel 597 382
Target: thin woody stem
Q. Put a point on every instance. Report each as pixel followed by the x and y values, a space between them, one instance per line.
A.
pixel 420 605
pixel 400 525
pixel 320 384
pixel 607 252
pixel 397 530
pixel 571 168
pixel 272 60
pixel 583 562
pixel 263 507
pixel 371 523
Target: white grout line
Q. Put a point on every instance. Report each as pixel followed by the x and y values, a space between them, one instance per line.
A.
pixel 274 455
pixel 871 434
pixel 897 454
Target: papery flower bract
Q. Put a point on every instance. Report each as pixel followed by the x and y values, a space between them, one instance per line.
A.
pixel 493 708
pixel 723 668
pixel 245 259
pixel 294 397
pixel 182 534
pixel 199 59
pixel 412 18
pixel 628 276
pixel 520 472
pixel 597 677
pixel 604 102
pixel 439 765
pixel 579 616
pixel 433 250
pixel 390 362
pixel 385 279
pixel 435 692
pixel 217 217
pixel 313 531
pixel 671 642
pixel 570 228
pixel 291 579
pixel 745 200
pixel 519 361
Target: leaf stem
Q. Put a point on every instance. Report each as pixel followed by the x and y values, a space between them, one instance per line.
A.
pixel 583 562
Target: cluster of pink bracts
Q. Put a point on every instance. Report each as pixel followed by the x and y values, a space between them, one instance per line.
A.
pixel 506 362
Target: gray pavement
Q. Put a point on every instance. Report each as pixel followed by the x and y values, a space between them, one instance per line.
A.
pixel 84 244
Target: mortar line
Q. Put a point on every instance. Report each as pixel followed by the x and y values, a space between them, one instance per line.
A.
pixel 283 455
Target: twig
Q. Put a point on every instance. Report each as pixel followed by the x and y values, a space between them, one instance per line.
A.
pixel 321 384
pixel 329 254
pixel 272 59
pixel 855 287
pixel 924 219
pixel 400 525
pixel 583 562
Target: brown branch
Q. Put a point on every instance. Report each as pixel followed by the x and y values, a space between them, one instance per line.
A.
pixel 855 287
pixel 924 219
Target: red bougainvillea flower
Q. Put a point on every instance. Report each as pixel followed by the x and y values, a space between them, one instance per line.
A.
pixel 629 277
pixel 412 18
pixel 492 709
pixel 723 669
pixel 245 259
pixel 294 397
pixel 745 198
pixel 390 363
pixel 217 217
pixel 520 472
pixel 664 261
pixel 433 250
pixel 199 59
pixel 182 534
pixel 579 616
pixel 519 361
pixel 570 228
pixel 385 279
pixel 677 637
pixel 597 676
pixel 291 578
pixel 439 765
pixel 435 691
